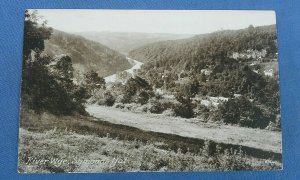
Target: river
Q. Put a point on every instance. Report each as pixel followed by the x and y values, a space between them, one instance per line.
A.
pixel 135 65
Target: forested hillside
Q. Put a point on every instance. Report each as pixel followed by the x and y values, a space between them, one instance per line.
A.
pixel 229 64
pixel 208 47
pixel 124 42
pixel 210 58
pixel 86 55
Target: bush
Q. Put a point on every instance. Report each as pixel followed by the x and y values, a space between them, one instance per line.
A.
pixel 224 159
pixel 159 105
pixel 141 109
pixel 156 107
pixel 183 110
pixel 143 97
pixel 215 116
pixel 242 112
pixel 119 105
pixel 131 106
pixel 109 98
pixel 125 98
pixel 169 112
pixel 201 111
pixel 96 96
pixel 231 160
pixel 93 81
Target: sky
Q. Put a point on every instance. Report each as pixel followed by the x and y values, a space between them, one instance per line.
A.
pixel 154 21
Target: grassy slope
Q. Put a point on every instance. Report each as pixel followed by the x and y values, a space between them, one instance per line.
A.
pixel 86 145
pixel 255 138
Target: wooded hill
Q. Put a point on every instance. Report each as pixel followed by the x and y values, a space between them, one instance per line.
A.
pixel 181 54
pixel 124 42
pixel 208 58
pixel 204 65
pixel 86 54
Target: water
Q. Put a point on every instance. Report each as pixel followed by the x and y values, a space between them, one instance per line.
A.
pixel 135 65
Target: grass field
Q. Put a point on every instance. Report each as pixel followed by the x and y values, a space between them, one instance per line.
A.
pixel 80 144
pixel 255 138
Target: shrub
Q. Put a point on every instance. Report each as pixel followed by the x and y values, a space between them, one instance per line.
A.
pixel 125 98
pixel 201 111
pixel 242 112
pixel 215 116
pixel 143 97
pixel 93 81
pixel 169 112
pixel 185 107
pixel 156 107
pixel 183 110
pixel 109 98
pixel 141 109
pixel 96 96
pixel 231 160
pixel 136 89
pixel 224 159
pixel 119 105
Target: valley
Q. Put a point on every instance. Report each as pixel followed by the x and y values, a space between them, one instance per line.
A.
pixel 155 101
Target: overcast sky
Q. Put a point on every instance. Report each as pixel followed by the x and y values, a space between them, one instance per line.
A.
pixel 154 21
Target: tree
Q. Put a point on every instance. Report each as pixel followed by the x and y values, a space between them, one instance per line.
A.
pixel 143 97
pixel 184 108
pixel 109 98
pixel 194 87
pixel 202 77
pixel 93 81
pixel 242 112
pixel 61 68
pixel 34 34
pixel 47 83
pixel 33 45
pixel 136 86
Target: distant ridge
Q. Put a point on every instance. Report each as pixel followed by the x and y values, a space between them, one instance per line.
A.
pixel 124 42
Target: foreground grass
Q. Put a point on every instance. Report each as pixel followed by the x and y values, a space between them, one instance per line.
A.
pixel 79 144
pixel 54 151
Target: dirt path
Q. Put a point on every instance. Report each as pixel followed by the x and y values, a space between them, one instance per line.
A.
pixel 255 138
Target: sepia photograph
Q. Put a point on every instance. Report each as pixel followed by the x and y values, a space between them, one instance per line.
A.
pixel 149 91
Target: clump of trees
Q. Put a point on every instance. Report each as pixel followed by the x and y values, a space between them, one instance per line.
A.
pixel 93 81
pixel 204 66
pixel 185 107
pixel 137 90
pixel 242 112
pixel 47 82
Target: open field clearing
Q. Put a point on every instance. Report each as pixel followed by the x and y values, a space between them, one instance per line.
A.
pixel 255 138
